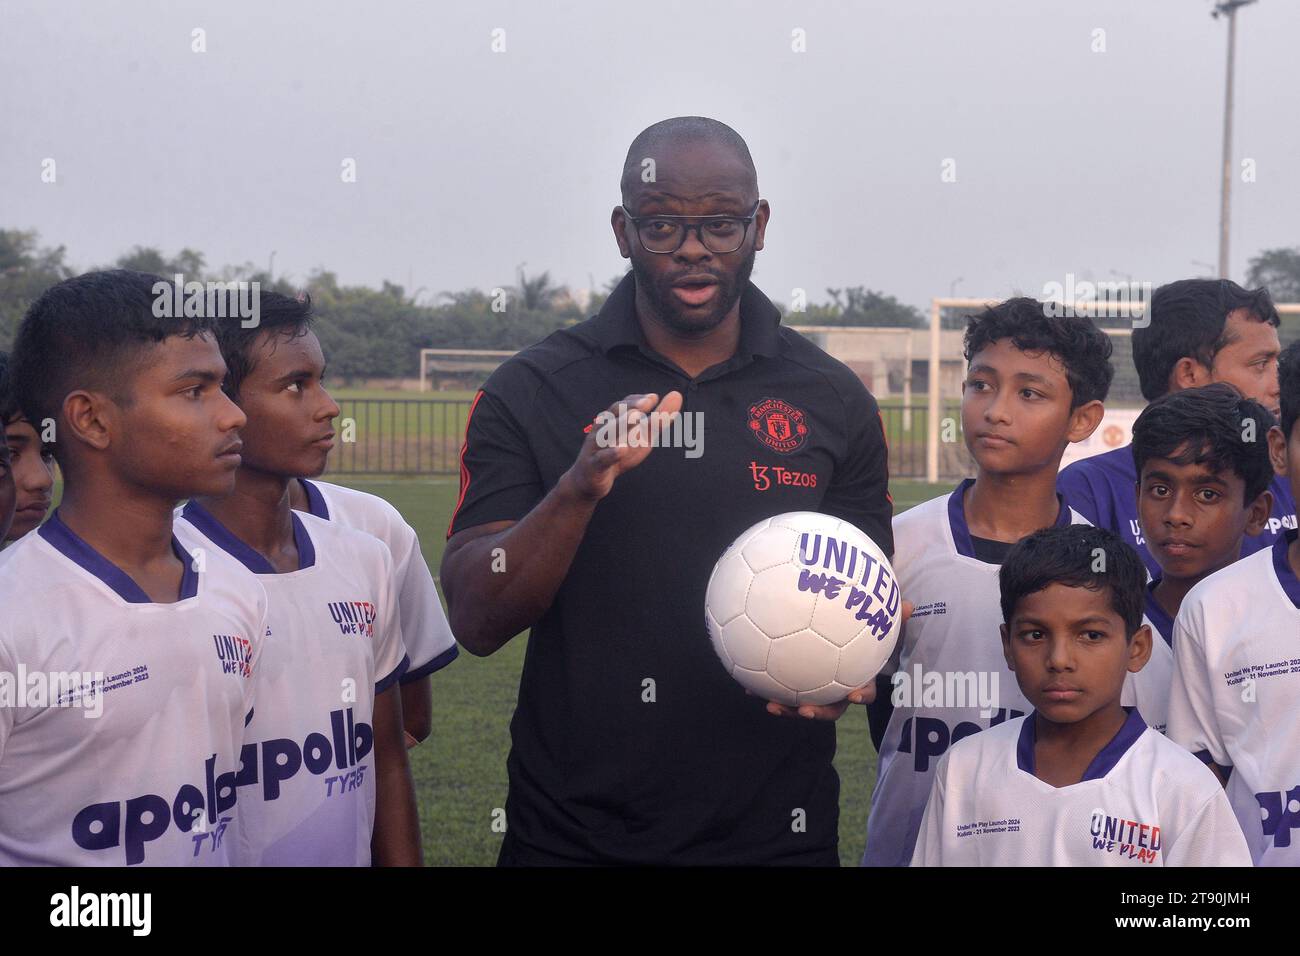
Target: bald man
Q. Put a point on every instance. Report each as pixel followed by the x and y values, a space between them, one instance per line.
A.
pixel 604 471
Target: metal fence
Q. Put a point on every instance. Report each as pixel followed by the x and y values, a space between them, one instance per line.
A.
pixel 399 436
pixel 405 436
pixel 905 431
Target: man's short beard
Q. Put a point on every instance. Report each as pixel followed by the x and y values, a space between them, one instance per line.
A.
pixel 670 310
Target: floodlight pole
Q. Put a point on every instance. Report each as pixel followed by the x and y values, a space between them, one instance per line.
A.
pixel 932 404
pixel 1227 8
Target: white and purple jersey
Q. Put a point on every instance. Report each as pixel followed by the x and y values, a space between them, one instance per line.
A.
pixel 1235 697
pixel 950 676
pixel 307 774
pixel 1143 802
pixel 425 632
pixel 1103 488
pixel 1148 689
pixel 122 721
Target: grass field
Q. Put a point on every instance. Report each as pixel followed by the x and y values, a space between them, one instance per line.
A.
pixel 460 771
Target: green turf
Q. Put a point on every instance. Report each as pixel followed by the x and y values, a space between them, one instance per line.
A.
pixel 460 771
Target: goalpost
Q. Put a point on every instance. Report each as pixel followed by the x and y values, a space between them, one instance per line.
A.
pixel 891 352
pixel 459 362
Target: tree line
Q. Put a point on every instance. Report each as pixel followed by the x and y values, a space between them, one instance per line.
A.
pixel 368 332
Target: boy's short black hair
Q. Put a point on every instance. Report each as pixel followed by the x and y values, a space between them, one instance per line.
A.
pixel 90 331
pixel 1080 346
pixel 9 410
pixel 1187 319
pixel 1209 425
pixel 277 314
pixel 1069 555
pixel 1288 380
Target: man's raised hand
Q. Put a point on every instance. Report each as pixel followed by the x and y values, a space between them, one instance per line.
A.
pixel 620 439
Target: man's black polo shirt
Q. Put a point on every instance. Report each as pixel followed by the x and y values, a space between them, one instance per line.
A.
pixel 605 766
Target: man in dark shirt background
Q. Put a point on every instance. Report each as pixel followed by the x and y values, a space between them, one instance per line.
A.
pixel 630 743
pixel 1198 331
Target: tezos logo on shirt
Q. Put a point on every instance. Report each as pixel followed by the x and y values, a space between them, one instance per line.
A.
pixel 780 476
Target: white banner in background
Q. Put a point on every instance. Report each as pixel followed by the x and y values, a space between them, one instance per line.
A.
pixel 1115 431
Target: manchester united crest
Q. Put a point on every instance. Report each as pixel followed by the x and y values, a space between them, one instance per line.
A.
pixel 778 425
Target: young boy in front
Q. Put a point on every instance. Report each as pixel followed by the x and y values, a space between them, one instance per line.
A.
pixel 325 780
pixel 1035 383
pixel 1235 699
pixel 133 760
pixel 1080 781
pixel 1203 476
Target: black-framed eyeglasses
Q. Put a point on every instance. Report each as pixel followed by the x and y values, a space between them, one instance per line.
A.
pixel 664 235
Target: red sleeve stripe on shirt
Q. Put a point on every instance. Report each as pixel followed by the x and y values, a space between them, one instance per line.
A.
pixel 885 438
pixel 464 471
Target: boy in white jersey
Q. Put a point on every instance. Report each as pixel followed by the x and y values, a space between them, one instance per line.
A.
pixel 1235 700
pixel 132 759
pixel 8 492
pixel 326 769
pixel 1201 456
pixel 425 631
pixel 30 463
pixel 1080 781
pixel 1034 384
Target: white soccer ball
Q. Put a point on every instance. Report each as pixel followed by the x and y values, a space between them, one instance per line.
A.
pixel 803 608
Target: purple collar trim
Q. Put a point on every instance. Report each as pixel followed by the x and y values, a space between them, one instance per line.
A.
pixel 1133 728
pixel 69 544
pixel 957 518
pixel 315 500
pixel 1282 567
pixel 1164 624
pixel 222 537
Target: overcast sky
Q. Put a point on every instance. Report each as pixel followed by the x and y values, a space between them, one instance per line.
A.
pixel 470 162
